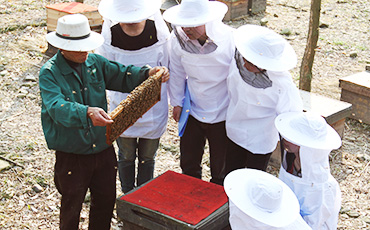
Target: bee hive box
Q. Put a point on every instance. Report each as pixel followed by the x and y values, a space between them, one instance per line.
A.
pixel 174 201
pixel 355 89
pixel 238 8
pixel 56 11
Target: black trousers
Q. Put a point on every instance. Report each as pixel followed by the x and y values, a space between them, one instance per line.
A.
pixel 238 157
pixel 192 148
pixel 74 174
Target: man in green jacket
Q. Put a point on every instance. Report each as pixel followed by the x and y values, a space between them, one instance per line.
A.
pixel 73 114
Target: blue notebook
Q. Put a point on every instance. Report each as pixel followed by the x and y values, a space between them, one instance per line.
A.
pixel 185 112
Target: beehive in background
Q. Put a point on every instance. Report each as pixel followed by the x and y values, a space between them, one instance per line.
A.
pixel 238 8
pixel 355 89
pixel 58 10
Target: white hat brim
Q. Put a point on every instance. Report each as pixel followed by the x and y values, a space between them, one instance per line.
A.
pixel 173 15
pixel 330 141
pixel 87 44
pixel 246 33
pixel 235 185
pixel 107 10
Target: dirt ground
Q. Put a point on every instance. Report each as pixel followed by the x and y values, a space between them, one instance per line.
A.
pixel 28 198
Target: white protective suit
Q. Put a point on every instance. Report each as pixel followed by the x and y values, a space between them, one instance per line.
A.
pixel 206 73
pixel 317 191
pixel 153 123
pixel 252 111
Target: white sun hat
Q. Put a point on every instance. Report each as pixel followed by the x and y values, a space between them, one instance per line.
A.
pixel 73 34
pixel 192 13
pixel 265 48
pixel 307 129
pixel 262 197
pixel 128 11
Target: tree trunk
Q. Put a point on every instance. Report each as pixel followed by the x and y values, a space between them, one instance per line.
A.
pixel 309 54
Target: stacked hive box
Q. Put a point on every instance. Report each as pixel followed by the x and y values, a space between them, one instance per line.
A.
pixel 58 10
pixel 54 12
pixel 174 201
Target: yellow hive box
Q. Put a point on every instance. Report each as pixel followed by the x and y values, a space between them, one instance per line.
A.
pixel 56 11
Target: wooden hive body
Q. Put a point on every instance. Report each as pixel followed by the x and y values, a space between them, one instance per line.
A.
pixel 356 90
pixel 56 11
pixel 174 201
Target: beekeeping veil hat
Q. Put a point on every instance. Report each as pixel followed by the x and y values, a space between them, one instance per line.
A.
pixel 264 48
pixel 261 196
pixel 307 129
pixel 192 13
pixel 73 34
pixel 316 140
pixel 128 11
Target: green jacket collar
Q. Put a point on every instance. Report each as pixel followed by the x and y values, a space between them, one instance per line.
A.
pixel 63 65
pixel 89 62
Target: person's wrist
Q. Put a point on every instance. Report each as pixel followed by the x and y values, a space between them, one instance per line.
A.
pixel 147 73
pixel 89 113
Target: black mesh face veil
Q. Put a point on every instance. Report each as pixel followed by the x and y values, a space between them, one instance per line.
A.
pixel 257 80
